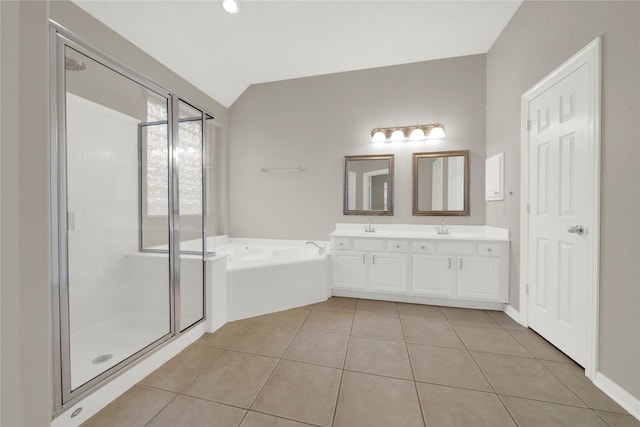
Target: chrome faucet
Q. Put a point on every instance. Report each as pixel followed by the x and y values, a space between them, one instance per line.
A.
pixel 369 228
pixel 443 229
pixel 321 248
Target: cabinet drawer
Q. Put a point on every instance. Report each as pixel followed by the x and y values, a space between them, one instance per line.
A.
pixel 489 249
pixel 369 245
pixel 423 247
pixel 397 246
pixel 341 244
pixel 456 248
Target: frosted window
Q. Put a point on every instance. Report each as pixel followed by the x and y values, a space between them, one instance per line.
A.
pixel 190 159
pixel 157 155
pixel 190 163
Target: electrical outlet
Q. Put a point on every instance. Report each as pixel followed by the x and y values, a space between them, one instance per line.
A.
pixel 501 209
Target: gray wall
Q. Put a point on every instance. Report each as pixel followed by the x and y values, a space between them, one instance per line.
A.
pixel 540 37
pixel 24 129
pixel 313 122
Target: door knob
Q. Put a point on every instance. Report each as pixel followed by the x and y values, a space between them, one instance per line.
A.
pixel 576 229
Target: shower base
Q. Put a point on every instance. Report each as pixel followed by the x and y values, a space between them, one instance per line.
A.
pixel 99 347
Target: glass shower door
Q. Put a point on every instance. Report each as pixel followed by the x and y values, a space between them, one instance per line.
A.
pixel 191 190
pixel 118 298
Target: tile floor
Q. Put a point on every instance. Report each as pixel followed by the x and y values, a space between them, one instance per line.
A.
pixel 351 363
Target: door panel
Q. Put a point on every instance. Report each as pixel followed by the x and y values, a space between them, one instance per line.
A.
pixel 432 275
pixel 558 193
pixel 348 270
pixel 479 278
pixel 389 272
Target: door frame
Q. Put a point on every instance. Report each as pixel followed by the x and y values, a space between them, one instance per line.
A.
pixel 366 186
pixel 589 56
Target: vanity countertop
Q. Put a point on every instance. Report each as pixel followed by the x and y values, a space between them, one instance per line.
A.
pixel 416 231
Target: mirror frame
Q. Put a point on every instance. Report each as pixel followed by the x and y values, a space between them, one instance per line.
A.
pixel 345 210
pixel 416 158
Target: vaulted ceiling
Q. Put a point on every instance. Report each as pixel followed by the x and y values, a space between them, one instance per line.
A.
pixel 223 54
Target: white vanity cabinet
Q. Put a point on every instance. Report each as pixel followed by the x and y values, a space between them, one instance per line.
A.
pixel 466 269
pixel 349 269
pixel 370 270
pixel 388 272
pixel 433 275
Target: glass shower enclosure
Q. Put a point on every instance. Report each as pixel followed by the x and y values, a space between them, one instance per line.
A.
pixel 132 188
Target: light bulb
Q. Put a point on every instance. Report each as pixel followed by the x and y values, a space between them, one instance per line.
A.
pixel 379 136
pixel 231 6
pixel 437 132
pixel 417 134
pixel 398 135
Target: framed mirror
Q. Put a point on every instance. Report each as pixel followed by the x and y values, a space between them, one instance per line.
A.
pixel 441 183
pixel 368 185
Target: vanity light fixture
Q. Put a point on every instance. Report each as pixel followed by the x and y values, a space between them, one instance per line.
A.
pixel 231 6
pixel 411 133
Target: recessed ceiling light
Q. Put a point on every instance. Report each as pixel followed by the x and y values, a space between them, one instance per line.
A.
pixel 231 6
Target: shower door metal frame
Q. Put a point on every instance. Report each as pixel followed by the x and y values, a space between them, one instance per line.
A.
pixel 64 396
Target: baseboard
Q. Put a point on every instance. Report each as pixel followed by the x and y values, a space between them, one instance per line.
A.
pixel 514 314
pixel 622 397
pixel 417 299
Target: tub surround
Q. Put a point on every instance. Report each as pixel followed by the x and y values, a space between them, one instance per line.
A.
pixel 467 267
pixel 252 277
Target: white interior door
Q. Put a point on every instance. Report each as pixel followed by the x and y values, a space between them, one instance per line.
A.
pixel 559 237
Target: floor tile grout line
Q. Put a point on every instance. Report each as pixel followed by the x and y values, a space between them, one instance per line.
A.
pixel 240 333
pixel 553 403
pixel 161 409
pixel 335 406
pixel 247 410
pixel 219 402
pixel 344 364
pixel 378 375
pixel 486 377
pixel 415 384
pixel 603 419
pixel 281 417
pixel 294 337
pixel 279 362
pixel 201 372
pixel 566 385
pixel 568 359
pixel 455 386
pixel 507 332
pixel 504 404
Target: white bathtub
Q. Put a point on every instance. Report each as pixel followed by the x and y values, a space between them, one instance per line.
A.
pixel 267 275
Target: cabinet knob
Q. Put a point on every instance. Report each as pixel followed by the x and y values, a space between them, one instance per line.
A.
pixel 422 247
pixel 489 250
pixel 397 246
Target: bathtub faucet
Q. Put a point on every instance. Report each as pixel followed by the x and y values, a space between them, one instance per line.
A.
pixel 321 249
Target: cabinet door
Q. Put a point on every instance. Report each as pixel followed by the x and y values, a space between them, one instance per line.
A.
pixel 433 275
pixel 389 272
pixel 479 278
pixel 349 270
